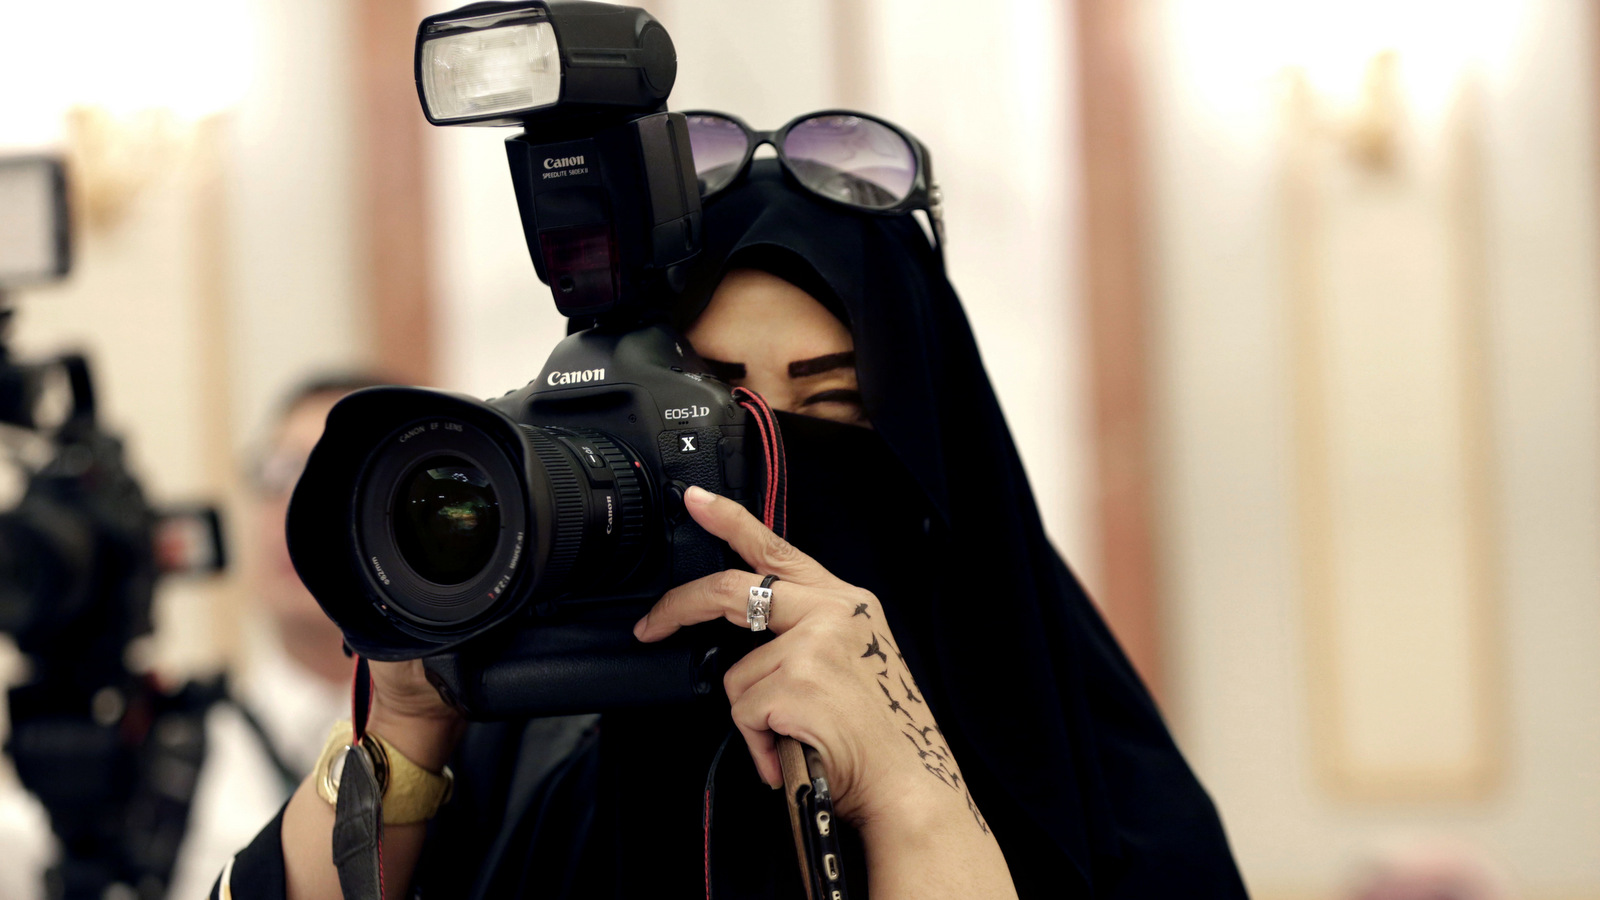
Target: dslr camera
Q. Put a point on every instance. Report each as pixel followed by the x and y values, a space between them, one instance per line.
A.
pixel 511 544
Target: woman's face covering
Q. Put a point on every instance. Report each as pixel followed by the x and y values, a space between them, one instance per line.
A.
pixel 763 333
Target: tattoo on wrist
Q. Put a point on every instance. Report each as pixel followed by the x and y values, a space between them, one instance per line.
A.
pixel 927 741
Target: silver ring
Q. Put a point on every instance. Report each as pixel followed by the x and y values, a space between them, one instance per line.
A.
pixel 760 604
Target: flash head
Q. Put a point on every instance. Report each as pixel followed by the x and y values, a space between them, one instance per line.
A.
pixel 520 62
pixel 604 175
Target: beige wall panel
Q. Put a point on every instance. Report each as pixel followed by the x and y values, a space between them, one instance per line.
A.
pixel 1399 582
pixel 1230 503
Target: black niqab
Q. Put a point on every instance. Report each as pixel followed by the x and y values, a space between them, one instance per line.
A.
pixel 1060 742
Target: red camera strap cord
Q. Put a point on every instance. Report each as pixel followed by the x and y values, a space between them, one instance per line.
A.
pixel 776 483
pixel 774 501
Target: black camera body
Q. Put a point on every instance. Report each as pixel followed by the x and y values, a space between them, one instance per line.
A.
pixel 529 608
pixel 512 544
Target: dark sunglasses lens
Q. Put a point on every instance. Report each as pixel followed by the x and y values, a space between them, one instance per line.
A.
pixel 718 146
pixel 852 160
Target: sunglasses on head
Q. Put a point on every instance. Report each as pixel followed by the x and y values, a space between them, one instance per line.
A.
pixel 849 158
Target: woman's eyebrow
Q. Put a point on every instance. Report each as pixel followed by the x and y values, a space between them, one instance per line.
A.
pixel 802 368
pixel 727 371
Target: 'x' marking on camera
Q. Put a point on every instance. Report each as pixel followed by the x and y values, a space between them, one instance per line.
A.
pixel 688 444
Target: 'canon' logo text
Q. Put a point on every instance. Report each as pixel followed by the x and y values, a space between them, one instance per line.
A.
pixel 583 376
pixel 561 162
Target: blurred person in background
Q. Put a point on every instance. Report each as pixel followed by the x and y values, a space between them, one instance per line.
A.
pixel 294 679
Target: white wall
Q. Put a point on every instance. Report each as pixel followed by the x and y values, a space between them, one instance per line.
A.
pixel 1242 674
pixel 295 245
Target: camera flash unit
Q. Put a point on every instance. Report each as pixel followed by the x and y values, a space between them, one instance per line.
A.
pixel 512 63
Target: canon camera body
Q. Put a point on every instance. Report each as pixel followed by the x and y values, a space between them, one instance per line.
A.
pixel 512 544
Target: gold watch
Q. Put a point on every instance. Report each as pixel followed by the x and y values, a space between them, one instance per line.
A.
pixel 410 792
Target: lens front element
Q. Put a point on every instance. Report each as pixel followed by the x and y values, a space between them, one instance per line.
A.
pixel 442 523
pixel 447 520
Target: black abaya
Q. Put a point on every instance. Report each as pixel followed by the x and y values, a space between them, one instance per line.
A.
pixel 1061 745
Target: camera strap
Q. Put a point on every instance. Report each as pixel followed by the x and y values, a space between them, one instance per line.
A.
pixel 775 486
pixel 805 785
pixel 358 815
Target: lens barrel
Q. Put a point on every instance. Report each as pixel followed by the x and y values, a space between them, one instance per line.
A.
pixel 457 518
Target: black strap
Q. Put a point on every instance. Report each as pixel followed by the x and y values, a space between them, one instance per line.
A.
pixel 358 829
pixel 286 773
pixel 710 796
pixel 360 698
pixel 358 814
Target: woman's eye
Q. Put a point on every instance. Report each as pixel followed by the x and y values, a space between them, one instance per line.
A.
pixel 834 396
pixel 840 405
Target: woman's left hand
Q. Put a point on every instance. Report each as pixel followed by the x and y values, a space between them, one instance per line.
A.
pixel 832 677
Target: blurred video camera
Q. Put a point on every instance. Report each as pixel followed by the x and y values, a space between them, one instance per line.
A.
pixel 110 754
pixel 511 544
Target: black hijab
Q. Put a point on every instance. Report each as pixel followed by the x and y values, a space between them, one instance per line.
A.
pixel 1061 744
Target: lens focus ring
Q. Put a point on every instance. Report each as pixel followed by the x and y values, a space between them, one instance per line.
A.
pixel 568 496
pixel 630 493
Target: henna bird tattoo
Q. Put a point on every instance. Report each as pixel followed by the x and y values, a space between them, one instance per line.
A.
pixel 921 753
pixel 924 732
pixel 898 655
pixel 975 814
pixel 910 694
pixel 894 705
pixel 861 610
pixel 874 650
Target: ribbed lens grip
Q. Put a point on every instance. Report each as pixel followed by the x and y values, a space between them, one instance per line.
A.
pixel 567 494
pixel 630 494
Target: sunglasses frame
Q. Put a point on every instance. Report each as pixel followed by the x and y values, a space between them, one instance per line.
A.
pixel 924 194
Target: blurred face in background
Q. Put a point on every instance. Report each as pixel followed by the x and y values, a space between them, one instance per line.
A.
pixel 308 635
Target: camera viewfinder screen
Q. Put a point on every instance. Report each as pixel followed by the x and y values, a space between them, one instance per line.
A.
pixel 31 220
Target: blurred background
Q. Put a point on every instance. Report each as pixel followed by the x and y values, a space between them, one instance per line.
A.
pixel 1294 309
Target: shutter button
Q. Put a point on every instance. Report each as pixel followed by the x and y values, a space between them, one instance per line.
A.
pixel 674 501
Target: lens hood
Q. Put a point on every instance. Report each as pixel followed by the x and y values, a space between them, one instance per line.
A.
pixel 341 534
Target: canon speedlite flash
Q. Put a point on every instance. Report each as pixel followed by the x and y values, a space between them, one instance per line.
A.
pixel 514 63
pixel 604 175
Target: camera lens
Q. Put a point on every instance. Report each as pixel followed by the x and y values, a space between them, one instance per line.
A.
pixel 446 520
pixel 460 518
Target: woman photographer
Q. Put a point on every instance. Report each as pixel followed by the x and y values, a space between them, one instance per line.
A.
pixel 981 730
